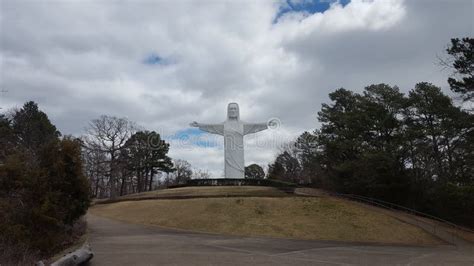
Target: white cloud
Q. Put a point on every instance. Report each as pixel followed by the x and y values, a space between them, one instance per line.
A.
pixel 81 59
pixel 358 14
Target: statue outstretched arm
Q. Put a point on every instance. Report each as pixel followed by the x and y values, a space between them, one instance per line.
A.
pixel 211 128
pixel 250 128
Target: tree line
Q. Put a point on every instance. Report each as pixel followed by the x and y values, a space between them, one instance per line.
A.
pixel 414 149
pixel 120 158
pixel 47 180
pixel 43 190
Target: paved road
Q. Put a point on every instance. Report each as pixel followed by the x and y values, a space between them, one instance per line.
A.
pixel 117 243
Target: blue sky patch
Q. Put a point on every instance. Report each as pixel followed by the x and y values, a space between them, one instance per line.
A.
pixel 188 133
pixel 154 59
pixel 196 137
pixel 306 6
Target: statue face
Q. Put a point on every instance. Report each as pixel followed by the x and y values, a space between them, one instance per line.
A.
pixel 233 111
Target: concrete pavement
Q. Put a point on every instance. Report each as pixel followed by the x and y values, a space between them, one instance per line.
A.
pixel 118 243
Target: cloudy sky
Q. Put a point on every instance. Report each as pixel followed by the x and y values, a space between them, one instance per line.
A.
pixel 164 64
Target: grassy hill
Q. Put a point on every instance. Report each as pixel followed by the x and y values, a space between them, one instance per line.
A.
pixel 322 218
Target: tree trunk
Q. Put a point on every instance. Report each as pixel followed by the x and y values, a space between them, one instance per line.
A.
pixel 96 192
pixel 139 180
pixel 151 181
pixel 122 186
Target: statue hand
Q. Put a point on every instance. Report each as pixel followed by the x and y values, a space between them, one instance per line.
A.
pixel 194 124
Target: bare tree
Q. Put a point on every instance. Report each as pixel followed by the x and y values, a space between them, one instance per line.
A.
pixel 96 169
pixel 201 174
pixel 108 135
pixel 182 171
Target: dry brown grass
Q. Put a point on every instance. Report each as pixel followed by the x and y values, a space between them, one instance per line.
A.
pixel 212 191
pixel 289 217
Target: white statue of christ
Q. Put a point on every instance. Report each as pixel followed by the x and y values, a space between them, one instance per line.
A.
pixel 233 130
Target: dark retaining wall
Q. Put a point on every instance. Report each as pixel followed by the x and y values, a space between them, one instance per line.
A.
pixel 235 182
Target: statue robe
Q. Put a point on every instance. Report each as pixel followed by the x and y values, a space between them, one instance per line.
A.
pixel 233 131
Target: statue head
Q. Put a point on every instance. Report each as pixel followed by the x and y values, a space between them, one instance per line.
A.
pixel 233 111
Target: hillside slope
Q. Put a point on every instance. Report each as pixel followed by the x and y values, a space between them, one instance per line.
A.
pixel 321 218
